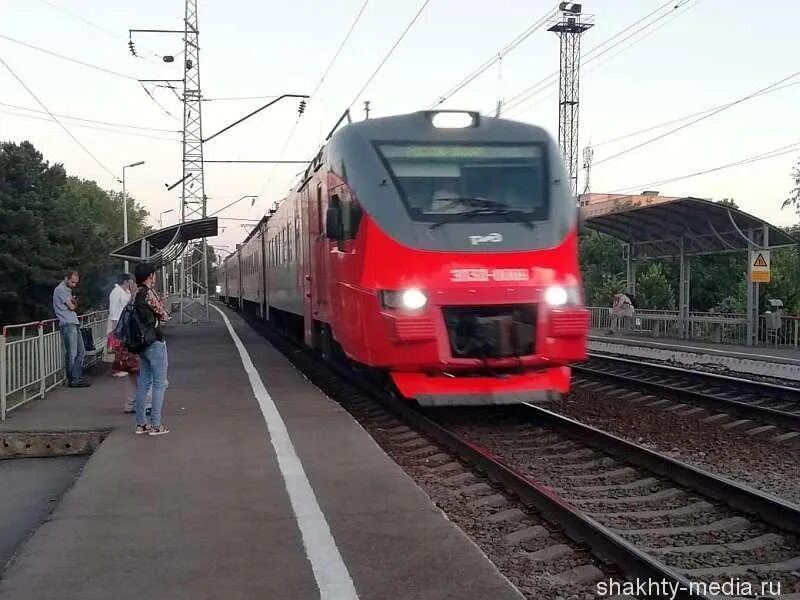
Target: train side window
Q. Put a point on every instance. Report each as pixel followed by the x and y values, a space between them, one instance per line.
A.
pixel 320 220
pixel 333 219
pixel 351 217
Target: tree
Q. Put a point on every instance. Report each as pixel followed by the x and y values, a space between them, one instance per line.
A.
pixel 50 223
pixel 715 281
pixel 785 280
pixel 794 196
pixel 602 267
pixel 654 290
pixel 31 248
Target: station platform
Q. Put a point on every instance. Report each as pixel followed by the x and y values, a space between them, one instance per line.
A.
pixel 778 362
pixel 264 488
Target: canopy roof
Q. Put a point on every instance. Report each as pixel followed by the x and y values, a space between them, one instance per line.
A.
pixel 658 227
pixel 165 245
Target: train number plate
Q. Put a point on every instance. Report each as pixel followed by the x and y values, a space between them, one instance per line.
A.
pixel 473 275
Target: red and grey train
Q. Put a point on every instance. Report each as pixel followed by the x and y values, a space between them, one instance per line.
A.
pixel 438 249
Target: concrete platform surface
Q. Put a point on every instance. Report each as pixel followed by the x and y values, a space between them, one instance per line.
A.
pixel 781 362
pixel 32 487
pixel 216 509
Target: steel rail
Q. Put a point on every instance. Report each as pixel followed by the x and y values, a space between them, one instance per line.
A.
pixel 577 525
pixel 772 416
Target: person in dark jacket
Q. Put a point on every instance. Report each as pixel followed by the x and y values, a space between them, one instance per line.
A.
pixel 154 361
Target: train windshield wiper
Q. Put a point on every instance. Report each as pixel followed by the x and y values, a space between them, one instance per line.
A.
pixel 484 206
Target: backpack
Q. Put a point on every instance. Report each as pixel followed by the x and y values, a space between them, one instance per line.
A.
pixel 131 332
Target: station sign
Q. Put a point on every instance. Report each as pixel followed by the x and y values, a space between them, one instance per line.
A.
pixel 759 266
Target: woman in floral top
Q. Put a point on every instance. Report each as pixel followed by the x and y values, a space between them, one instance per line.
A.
pixel 154 361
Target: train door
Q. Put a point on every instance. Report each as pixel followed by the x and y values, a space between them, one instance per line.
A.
pixel 263 274
pixel 345 266
pixel 239 279
pixel 315 279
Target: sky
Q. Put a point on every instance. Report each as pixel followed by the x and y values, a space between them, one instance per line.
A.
pixel 704 54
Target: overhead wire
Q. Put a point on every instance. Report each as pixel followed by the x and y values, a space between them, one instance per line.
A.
pixel 671 16
pixel 339 49
pixel 97 27
pixel 683 118
pixel 389 53
pixel 74 118
pixel 157 103
pixel 229 98
pixel 316 89
pixel 774 153
pixel 70 59
pixel 369 79
pixel 668 18
pixel 538 24
pixel 597 51
pixel 52 116
pixel 90 66
pixel 95 127
pixel 693 122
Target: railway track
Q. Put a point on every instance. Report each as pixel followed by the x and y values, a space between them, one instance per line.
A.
pixel 768 403
pixel 645 516
pixel 654 516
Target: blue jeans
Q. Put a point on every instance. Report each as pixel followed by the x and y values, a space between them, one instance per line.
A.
pixel 152 372
pixel 74 351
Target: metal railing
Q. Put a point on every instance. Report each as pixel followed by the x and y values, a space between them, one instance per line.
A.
pixel 32 358
pixel 719 328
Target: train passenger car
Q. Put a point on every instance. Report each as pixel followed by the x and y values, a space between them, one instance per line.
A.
pixel 251 257
pixel 439 249
pixel 228 276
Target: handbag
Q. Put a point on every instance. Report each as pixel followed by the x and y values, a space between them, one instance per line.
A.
pixel 125 360
pixel 109 354
pixel 88 339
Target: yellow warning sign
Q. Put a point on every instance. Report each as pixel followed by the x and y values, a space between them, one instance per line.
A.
pixel 759 266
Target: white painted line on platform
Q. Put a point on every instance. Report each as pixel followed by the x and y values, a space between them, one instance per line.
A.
pixel 333 578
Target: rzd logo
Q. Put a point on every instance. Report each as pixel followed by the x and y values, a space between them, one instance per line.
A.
pixel 485 239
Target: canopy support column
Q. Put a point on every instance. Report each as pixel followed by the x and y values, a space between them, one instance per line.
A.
pixel 683 291
pixel 630 269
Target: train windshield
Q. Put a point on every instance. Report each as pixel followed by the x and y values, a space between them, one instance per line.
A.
pixel 490 182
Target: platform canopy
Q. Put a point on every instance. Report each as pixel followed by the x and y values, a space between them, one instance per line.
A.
pixel 165 245
pixel 660 227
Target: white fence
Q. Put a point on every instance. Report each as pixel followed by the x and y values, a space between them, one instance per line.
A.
pixel 720 328
pixel 32 358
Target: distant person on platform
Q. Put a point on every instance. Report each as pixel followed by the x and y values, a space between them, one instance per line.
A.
pixel 154 362
pixel 64 307
pixel 621 310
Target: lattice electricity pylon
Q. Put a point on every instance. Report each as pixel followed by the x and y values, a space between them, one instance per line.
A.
pixel 194 266
pixel 588 156
pixel 569 27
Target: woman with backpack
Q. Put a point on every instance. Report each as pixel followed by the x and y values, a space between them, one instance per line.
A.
pixel 149 313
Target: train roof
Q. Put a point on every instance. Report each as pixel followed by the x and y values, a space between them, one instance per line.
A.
pixel 444 125
pixel 420 126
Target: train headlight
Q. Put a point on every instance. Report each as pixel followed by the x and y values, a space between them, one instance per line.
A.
pixel 558 295
pixel 452 119
pixel 414 299
pixel 411 299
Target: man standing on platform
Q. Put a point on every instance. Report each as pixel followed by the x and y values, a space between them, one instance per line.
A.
pixel 64 307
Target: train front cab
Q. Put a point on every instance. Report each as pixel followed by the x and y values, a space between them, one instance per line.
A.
pixel 464 306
